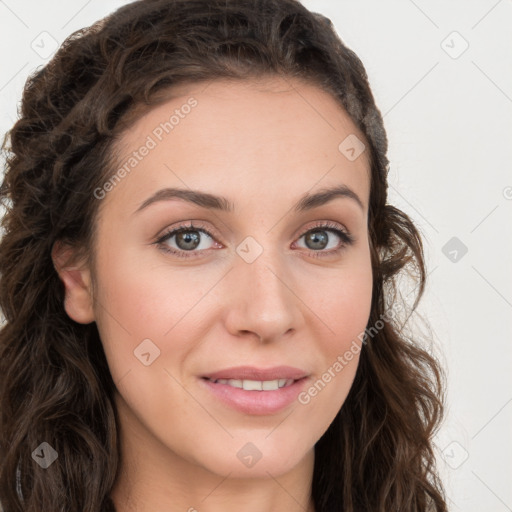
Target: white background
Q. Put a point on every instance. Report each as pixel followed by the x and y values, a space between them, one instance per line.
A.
pixel 448 118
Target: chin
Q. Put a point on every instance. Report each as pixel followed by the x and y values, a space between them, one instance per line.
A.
pixel 271 467
pixel 254 460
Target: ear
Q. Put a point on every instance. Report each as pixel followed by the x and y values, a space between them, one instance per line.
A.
pixel 76 277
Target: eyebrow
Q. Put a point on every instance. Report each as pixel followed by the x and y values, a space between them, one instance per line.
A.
pixel 213 202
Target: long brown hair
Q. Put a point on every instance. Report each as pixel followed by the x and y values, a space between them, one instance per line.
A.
pixel 55 385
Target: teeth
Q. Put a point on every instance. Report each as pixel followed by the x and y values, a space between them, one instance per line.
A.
pixel 256 385
pixel 253 385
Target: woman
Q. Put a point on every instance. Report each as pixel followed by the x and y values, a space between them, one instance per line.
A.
pixel 198 275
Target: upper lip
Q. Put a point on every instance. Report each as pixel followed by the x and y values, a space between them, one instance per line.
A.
pixel 253 373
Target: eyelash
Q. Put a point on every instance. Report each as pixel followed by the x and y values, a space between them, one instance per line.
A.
pixel 347 239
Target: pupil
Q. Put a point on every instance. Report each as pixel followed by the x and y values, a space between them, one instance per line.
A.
pixel 317 237
pixel 190 240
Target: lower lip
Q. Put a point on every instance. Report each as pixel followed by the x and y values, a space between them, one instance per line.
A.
pixel 256 402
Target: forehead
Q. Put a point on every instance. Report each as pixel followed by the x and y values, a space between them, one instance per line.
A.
pixel 267 137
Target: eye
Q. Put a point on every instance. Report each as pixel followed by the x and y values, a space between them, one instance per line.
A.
pixel 323 235
pixel 190 240
pixel 187 238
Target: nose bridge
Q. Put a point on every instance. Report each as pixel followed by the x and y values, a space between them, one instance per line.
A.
pixel 262 300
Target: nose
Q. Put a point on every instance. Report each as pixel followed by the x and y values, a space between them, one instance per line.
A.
pixel 262 299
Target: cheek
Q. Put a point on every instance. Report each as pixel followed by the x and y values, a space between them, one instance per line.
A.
pixel 129 306
pixel 344 307
pixel 139 299
pixel 344 302
pixel 355 303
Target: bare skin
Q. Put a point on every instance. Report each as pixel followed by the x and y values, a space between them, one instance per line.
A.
pixel 263 146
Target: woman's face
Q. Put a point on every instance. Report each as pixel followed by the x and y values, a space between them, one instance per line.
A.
pixel 251 285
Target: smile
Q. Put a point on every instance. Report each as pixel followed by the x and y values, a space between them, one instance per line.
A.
pixel 255 385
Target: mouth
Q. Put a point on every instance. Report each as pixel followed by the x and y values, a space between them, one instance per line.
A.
pixel 254 390
pixel 255 385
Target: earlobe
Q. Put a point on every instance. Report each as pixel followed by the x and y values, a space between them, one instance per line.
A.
pixel 78 300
